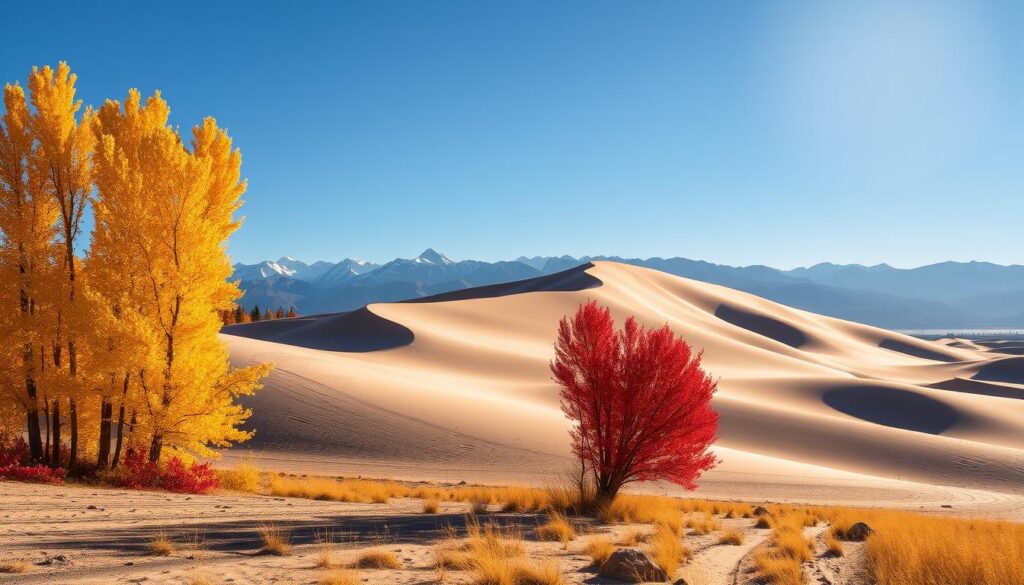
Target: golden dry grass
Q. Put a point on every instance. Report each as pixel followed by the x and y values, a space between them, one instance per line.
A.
pixel 275 540
pixel 199 578
pixel 243 477
pixel 557 528
pixel 733 537
pixel 908 548
pixel 667 550
pixel 634 537
pixel 833 546
pixel 777 570
pixel 324 549
pixel 377 558
pixel 160 545
pixel 431 506
pixel 13 567
pixel 599 549
pixel 703 525
pixel 340 577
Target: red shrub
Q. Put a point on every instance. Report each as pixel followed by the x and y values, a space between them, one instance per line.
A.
pixel 34 473
pixel 195 479
pixel 13 450
pixel 639 398
pixel 138 473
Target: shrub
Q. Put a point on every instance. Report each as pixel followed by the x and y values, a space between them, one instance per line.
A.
pixel 160 546
pixel 733 537
pixel 35 473
pixel 14 567
pixel 340 577
pixel 557 528
pixel 244 477
pixel 599 549
pixel 833 546
pixel 137 472
pixel 275 540
pixel 13 451
pixel 667 550
pixel 431 506
pixel 377 559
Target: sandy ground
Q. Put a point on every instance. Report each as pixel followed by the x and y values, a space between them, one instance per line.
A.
pixel 812 409
pixel 75 534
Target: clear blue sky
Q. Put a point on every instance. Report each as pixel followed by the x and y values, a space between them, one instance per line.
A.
pixel 736 132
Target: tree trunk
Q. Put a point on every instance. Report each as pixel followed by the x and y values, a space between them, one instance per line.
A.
pixel 106 414
pixel 155 447
pixel 120 422
pixel 73 415
pixel 46 417
pixel 55 456
pixel 35 441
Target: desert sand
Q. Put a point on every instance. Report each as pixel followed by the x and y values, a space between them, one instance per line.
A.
pixel 456 388
pixel 813 409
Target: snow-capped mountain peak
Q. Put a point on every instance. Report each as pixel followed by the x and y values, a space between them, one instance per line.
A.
pixel 431 256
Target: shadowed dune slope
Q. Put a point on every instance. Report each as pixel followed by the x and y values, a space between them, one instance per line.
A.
pixel 459 384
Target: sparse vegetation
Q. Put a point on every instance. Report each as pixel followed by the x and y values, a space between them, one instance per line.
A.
pixel 779 563
pixel 599 549
pixel 340 577
pixel 377 558
pixel 160 545
pixel 431 506
pixel 13 567
pixel 667 549
pixel 733 537
pixel 833 546
pixel 244 477
pixel 276 540
pixel 557 528
pixel 324 549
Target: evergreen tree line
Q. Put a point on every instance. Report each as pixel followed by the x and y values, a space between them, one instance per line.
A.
pixel 109 342
pixel 240 315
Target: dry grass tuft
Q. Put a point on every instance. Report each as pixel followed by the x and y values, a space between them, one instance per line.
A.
pixel 377 558
pixel 160 545
pixel 340 577
pixel 833 546
pixel 599 549
pixel 667 550
pixel 199 578
pixel 275 540
pixel 431 506
pixel 478 507
pixel 557 528
pixel 704 525
pixel 733 537
pixel 634 537
pixel 324 549
pixel 777 570
pixel 244 477
pixel 763 522
pixel 14 567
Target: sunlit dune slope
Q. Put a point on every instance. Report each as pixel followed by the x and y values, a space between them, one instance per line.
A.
pixel 461 382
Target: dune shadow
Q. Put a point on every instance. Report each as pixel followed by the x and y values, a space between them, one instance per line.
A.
pixel 892 407
pixel 916 351
pixel 362 331
pixel 978 387
pixel 762 325
pixel 1009 369
pixel 242 536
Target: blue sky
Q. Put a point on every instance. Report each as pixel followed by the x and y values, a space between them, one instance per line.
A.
pixel 777 133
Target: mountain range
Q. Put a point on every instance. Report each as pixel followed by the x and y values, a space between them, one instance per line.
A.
pixel 945 295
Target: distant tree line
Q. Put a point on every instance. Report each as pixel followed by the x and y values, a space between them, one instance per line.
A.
pixel 240 315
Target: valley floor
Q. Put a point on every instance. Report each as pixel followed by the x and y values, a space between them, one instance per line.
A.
pixel 84 534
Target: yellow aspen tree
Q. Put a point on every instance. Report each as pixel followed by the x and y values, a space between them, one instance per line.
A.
pixel 64 158
pixel 27 223
pixel 173 210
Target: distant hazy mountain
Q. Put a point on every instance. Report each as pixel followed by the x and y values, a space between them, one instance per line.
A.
pixel 949 294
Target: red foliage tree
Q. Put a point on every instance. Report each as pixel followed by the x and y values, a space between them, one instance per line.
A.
pixel 640 401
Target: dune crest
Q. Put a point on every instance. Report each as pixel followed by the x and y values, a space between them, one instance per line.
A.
pixel 459 385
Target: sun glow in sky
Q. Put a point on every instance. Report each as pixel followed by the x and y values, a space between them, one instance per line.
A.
pixel 781 133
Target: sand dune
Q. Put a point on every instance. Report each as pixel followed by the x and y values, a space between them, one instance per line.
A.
pixel 457 387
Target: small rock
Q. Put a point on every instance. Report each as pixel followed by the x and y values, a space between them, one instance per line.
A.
pixel 632 566
pixel 858 532
pixel 946 506
pixel 90 507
